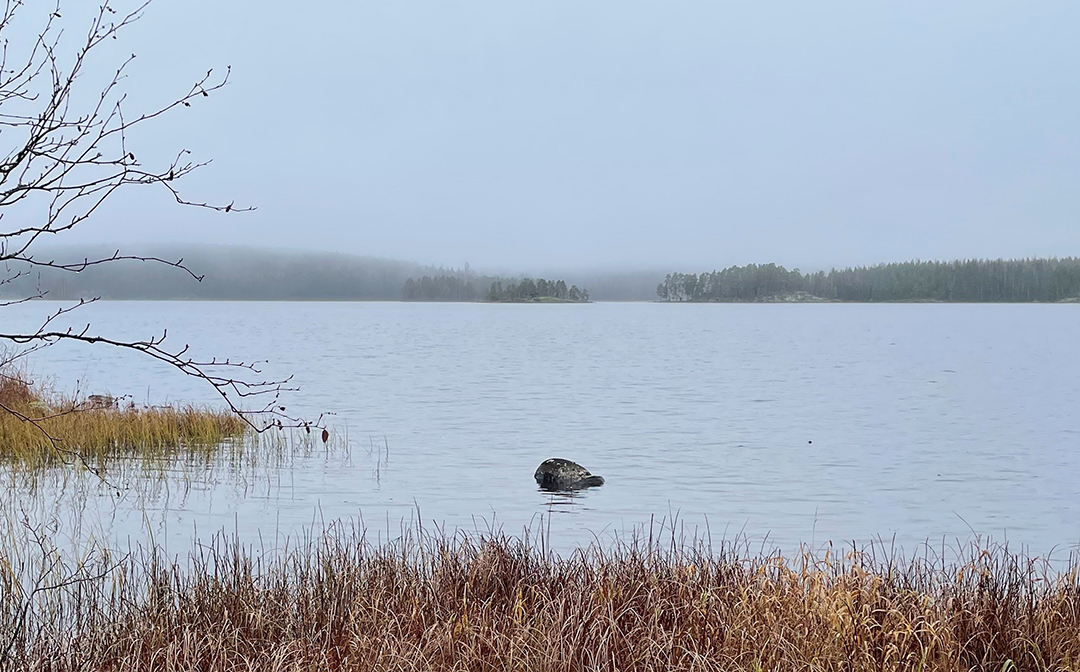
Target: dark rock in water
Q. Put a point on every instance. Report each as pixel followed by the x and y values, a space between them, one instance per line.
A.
pixel 559 474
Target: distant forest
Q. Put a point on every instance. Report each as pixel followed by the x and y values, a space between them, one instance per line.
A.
pixel 231 273
pixel 974 280
pixel 237 273
pixel 254 274
pixel 441 288
pixel 466 287
pixel 529 290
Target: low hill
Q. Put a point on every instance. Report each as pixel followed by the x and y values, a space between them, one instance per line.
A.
pixel 230 273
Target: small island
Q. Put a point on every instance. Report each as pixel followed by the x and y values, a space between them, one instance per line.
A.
pixel 539 291
pixel 501 290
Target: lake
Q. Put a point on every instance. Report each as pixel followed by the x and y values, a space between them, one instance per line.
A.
pixel 782 424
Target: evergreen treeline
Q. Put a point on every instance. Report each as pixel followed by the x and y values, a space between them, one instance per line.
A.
pixel 961 281
pixel 440 288
pixel 466 287
pixel 533 290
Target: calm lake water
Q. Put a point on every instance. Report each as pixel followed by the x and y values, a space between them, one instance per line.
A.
pixel 788 424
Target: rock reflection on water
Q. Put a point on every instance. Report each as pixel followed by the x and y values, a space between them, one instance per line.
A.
pixel 563 501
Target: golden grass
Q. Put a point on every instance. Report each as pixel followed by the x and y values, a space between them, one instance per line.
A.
pixel 70 430
pixel 500 604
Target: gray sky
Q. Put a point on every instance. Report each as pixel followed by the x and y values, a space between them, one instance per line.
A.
pixel 682 135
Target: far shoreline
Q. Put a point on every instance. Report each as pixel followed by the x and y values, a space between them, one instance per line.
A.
pixel 390 300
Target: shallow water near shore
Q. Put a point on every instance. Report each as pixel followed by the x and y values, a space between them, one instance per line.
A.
pixel 785 424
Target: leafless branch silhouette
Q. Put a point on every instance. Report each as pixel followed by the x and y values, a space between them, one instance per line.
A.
pixel 61 158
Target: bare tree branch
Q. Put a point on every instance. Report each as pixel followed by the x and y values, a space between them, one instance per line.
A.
pixel 64 152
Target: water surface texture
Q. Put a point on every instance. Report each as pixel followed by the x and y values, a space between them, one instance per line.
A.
pixel 786 423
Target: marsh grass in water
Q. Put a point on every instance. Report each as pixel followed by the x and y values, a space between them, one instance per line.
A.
pixel 68 429
pixel 491 602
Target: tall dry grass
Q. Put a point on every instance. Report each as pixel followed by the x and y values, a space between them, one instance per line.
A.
pixel 500 603
pixel 40 428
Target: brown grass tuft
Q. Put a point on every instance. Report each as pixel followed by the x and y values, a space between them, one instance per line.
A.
pixel 14 391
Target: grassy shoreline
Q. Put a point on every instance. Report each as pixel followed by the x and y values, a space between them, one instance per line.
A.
pixel 40 428
pixel 490 602
pixel 498 603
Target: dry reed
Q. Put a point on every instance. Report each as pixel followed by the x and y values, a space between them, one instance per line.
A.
pixel 498 603
pixel 73 430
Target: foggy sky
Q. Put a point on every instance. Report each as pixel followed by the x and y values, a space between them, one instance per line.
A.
pixel 560 134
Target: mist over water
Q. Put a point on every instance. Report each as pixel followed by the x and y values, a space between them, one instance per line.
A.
pixel 788 424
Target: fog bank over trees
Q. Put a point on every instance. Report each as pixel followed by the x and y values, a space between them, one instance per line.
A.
pixel 229 273
pixel 633 285
pixel 237 273
pixel 259 274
